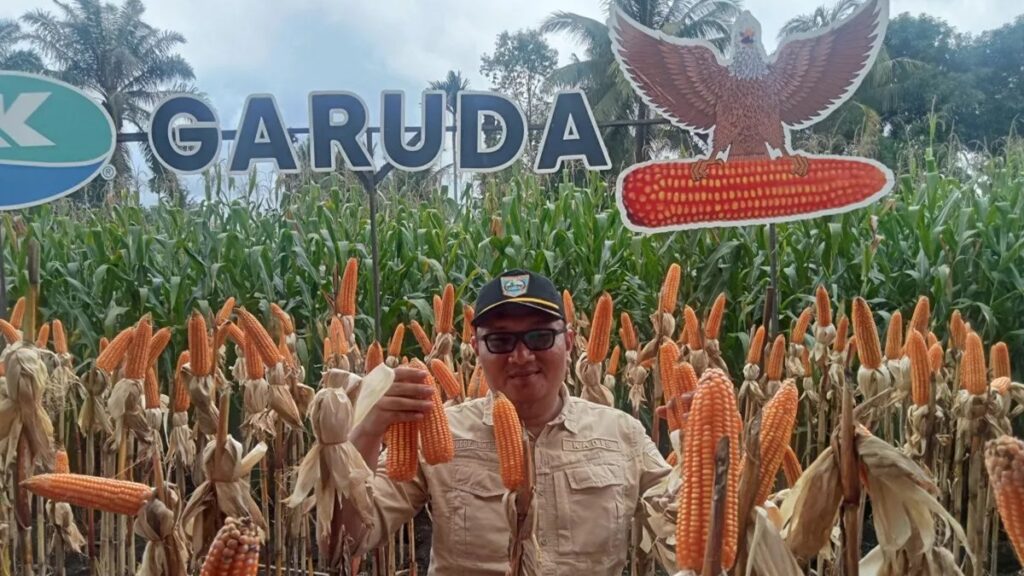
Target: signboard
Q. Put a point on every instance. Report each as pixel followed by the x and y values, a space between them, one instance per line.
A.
pixel 54 139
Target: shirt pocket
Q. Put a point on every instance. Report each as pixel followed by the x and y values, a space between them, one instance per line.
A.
pixel 590 504
pixel 478 526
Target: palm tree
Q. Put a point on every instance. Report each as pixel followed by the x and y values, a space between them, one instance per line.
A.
pixel 452 84
pixel 598 74
pixel 111 52
pixel 821 17
pixel 12 58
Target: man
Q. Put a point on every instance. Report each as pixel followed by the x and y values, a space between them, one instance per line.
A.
pixel 594 464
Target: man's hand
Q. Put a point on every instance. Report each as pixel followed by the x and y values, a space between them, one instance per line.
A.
pixel 686 398
pixel 408 399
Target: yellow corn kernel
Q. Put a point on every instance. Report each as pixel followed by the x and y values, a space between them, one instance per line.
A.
pixel 44 335
pixel 374 356
pixel 570 308
pixel 691 328
pixel 18 314
pixel 687 377
pixel 106 494
pixel 451 385
pixel 842 333
pixel 235 551
pixel 957 331
pixel 254 367
pixel 337 335
pixel 600 330
pixel 864 329
pixel 1004 461
pixel 668 355
pixel 158 344
pixel 935 357
pixel 234 333
pixel 823 307
pixel 182 399
pixel 438 304
pixel 894 337
pixel 446 325
pixel 467 323
pixel 777 422
pixel 791 467
pixel 151 389
pixel 613 363
pixel 224 314
pixel 261 340
pixel 714 323
pixel 920 369
pixel 921 318
pixel 346 302
pixel 402 461
pixel 137 359
pixel 282 317
pixel 1001 385
pixel 111 356
pixel 712 416
pixel 421 337
pixel 508 437
pixel 397 339
pixel 60 339
pixel 999 359
pixel 435 432
pixel 756 349
pixel 669 294
pixel 773 369
pixel 60 462
pixel 198 345
pixel 973 375
pixel 803 322
pixel 627 333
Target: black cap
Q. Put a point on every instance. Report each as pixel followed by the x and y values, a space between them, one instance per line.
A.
pixel 519 287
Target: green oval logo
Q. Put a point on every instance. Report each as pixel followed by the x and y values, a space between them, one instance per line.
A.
pixel 54 139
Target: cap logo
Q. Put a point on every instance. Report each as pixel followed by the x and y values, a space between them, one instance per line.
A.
pixel 515 286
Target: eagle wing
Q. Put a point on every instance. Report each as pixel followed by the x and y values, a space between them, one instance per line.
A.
pixel 679 78
pixel 813 73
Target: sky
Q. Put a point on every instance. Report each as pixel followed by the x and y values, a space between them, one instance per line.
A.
pixel 289 48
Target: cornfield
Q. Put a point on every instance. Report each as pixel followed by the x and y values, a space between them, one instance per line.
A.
pixel 195 364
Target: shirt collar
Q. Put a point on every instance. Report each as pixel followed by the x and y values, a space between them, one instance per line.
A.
pixel 567 416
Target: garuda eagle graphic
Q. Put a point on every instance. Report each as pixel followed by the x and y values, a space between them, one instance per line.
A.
pixel 749 102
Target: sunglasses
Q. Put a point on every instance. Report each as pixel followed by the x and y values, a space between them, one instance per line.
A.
pixel 536 340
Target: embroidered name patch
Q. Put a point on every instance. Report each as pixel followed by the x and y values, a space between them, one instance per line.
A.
pixel 592 444
pixel 470 444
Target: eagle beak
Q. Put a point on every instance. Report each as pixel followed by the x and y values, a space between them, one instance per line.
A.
pixel 747 36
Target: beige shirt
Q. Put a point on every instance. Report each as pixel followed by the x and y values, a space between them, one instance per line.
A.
pixel 595 469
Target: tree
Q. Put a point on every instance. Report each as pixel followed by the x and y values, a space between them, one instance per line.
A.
pixel 452 84
pixel 518 67
pixel 598 73
pixel 12 57
pixel 109 51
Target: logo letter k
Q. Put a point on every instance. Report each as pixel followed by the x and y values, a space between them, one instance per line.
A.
pixel 14 120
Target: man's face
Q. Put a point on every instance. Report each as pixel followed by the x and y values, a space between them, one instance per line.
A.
pixel 524 375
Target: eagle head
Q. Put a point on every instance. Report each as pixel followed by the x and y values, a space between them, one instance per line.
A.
pixel 746 31
pixel 748 53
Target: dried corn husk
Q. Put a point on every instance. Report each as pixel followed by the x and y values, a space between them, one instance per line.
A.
pixel 225 491
pixel 93 416
pixel 159 525
pixel 281 400
pixel 200 391
pixel 21 405
pixel 811 509
pixel 636 378
pixel 589 375
pixel 62 380
pixel 126 408
pixel 767 551
pixel 180 446
pixel 62 519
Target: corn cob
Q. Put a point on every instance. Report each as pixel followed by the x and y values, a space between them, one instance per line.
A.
pixel 103 344
pixel 339 341
pixel 669 294
pixel 346 302
pixel 1004 460
pixel 158 343
pixel 224 314
pixel 714 323
pixel 756 349
pixel 18 313
pixel 60 462
pixel 401 439
pixel 613 363
pixel 106 494
pixel 600 330
pixel 508 437
pixel 778 419
pixel 691 328
pixel 234 333
pixel 44 335
pixel 712 415
pixel 235 550
pixel 973 375
pixel 823 307
pixel 999 360
pixel 921 318
pixel 570 308
pixel 198 345
pixel 957 331
pixel 182 399
pixel 261 340
pixel 286 355
pixel 438 304
pixel 935 357
pixel 931 339
pixel 1001 385
pixel 397 339
pixel 421 337
pixel 138 354
pixel 791 467
pixel 60 339
pixel 665 194
pixel 151 390
pixel 467 323
pixel 803 322
pixel 773 369
pixel 851 349
pixel 111 356
pixel 668 355
pixel 920 369
pixel 435 432
pixel 328 348
pixel 254 367
pixel 447 322
pixel 474 383
pixel 374 356
pixel 864 329
pixel 842 333
pixel 11 334
pixel 282 317
pixel 627 333
pixel 894 337
pixel 451 385
pixel 687 377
